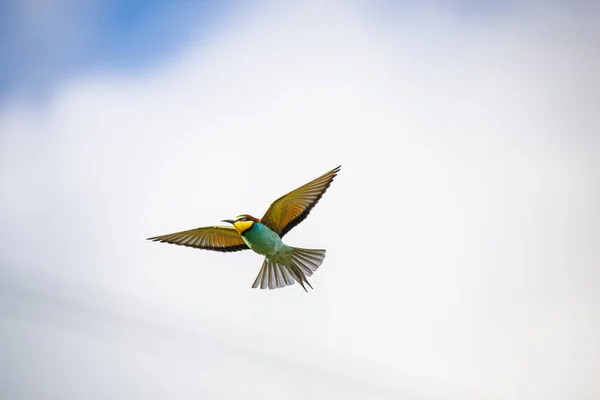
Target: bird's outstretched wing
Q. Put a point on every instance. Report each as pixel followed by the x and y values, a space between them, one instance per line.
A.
pixel 292 208
pixel 217 238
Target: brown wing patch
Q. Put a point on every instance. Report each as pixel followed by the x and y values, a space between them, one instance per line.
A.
pixel 292 208
pixel 217 238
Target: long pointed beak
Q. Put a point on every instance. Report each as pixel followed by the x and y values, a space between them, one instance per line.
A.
pixel 228 220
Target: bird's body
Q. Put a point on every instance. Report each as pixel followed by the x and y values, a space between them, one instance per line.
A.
pixel 264 241
pixel 283 264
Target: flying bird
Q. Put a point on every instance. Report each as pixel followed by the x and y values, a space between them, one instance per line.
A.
pixel 283 265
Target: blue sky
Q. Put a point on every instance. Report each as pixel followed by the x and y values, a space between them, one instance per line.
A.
pixel 42 43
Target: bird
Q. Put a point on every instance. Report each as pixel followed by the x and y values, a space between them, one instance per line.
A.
pixel 283 265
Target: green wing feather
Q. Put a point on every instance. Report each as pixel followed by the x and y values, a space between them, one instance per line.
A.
pixel 217 238
pixel 292 208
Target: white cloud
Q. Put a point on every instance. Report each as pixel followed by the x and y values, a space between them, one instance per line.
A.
pixel 461 233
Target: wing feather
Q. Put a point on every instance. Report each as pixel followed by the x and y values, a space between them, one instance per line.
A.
pixel 217 238
pixel 292 208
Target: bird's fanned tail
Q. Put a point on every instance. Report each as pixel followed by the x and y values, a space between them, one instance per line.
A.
pixel 303 263
pixel 273 275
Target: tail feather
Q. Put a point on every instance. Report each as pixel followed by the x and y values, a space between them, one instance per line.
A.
pixel 307 263
pixel 273 275
pixel 299 276
pixel 303 263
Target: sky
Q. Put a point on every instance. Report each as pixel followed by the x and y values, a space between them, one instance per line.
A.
pixel 462 233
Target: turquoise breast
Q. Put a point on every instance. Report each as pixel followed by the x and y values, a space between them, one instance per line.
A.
pixel 263 240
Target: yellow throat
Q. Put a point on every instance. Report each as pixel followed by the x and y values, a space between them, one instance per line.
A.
pixel 242 226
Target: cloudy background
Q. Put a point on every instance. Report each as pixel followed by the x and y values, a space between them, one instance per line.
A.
pixel 463 232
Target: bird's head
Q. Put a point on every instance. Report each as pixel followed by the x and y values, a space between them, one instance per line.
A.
pixel 242 223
